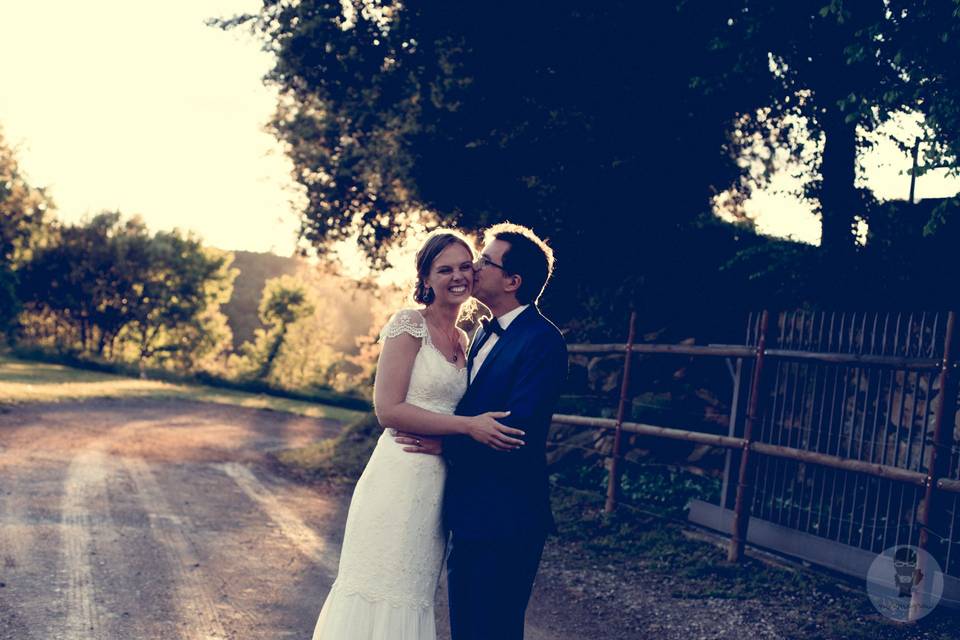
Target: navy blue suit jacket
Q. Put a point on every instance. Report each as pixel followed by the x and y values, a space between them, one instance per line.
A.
pixel 494 494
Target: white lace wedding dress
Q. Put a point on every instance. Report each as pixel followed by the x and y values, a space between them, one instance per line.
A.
pixel 394 542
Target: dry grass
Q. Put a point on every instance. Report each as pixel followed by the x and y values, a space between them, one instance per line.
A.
pixel 28 382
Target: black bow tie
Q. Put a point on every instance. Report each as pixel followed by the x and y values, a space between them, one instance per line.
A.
pixel 491 326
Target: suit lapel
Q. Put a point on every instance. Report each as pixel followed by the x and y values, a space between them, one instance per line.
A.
pixel 474 347
pixel 511 332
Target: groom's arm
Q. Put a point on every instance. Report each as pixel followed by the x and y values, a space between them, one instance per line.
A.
pixel 417 443
pixel 538 381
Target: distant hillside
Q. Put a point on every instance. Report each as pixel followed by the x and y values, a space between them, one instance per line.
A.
pixel 346 309
pixel 255 270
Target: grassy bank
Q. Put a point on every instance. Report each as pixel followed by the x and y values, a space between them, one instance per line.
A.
pixel 338 460
pixel 23 381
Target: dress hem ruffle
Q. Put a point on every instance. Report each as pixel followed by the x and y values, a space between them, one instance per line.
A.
pixel 354 615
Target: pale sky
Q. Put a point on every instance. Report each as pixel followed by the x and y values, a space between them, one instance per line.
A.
pixel 138 106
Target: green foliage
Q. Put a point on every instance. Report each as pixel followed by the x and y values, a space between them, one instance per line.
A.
pixel 322 339
pixel 124 293
pixel 840 66
pixel 666 489
pixel 477 119
pixel 9 303
pixel 254 270
pixel 178 281
pixel 284 302
pixel 658 488
pixel 922 40
pixel 24 212
pixel 559 120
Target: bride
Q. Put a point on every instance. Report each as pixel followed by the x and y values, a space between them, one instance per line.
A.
pixel 394 540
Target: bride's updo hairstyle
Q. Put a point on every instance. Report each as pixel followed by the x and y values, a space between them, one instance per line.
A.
pixel 435 243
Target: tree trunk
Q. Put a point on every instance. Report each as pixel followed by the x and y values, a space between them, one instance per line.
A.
pixel 839 199
pixel 101 343
pixel 142 360
pixel 83 334
pixel 272 354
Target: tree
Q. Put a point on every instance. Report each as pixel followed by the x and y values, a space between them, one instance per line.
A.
pixel 608 127
pixel 178 282
pixel 923 45
pixel 807 47
pixel 24 215
pixel 578 121
pixel 285 300
pixel 847 68
pixel 111 280
pixel 72 275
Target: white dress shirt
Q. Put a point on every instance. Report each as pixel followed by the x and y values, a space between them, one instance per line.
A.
pixel 487 347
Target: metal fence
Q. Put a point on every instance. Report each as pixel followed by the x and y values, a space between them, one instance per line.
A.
pixel 841 437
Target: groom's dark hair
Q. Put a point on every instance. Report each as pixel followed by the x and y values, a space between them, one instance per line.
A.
pixel 528 257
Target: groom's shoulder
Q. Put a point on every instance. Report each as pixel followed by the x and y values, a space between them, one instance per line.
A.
pixel 548 331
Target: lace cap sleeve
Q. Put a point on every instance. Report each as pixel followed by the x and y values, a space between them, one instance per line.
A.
pixel 404 321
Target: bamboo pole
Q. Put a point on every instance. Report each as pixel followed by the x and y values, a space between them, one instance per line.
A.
pixel 945 484
pixel 740 519
pixel 790 453
pixel 613 482
pixel 736 351
pixel 939 457
pixel 837 462
pixel 730 351
pixel 651 430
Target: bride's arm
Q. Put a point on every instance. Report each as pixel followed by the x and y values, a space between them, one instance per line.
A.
pixel 394 368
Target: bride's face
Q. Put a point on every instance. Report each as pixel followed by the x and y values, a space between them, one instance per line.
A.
pixel 451 275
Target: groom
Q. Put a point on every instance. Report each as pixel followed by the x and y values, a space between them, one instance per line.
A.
pixel 496 503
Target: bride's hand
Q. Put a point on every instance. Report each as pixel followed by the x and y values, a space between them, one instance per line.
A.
pixel 485 429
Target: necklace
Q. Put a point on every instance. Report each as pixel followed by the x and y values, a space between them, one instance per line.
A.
pixel 453 342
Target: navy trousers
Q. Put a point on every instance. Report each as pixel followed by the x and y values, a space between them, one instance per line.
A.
pixel 489 584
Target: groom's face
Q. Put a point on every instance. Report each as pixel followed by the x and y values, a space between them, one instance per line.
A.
pixel 490 279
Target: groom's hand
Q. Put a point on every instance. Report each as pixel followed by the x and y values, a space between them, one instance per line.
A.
pixel 415 443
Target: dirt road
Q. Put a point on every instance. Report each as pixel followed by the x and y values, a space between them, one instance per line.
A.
pixel 143 519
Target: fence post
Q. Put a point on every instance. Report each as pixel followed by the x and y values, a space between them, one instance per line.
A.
pixel 741 510
pixel 938 458
pixel 613 482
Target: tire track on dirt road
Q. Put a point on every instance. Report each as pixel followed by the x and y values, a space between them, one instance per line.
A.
pixel 198 617
pixel 291 525
pixel 84 485
pixel 30 553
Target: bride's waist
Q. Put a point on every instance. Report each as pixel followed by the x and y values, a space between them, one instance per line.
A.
pixel 388 444
pixel 434 406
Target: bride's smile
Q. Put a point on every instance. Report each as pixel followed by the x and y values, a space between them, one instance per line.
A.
pixel 451 275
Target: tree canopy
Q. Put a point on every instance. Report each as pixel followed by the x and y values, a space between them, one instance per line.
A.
pixel 110 279
pixel 608 127
pixel 24 210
